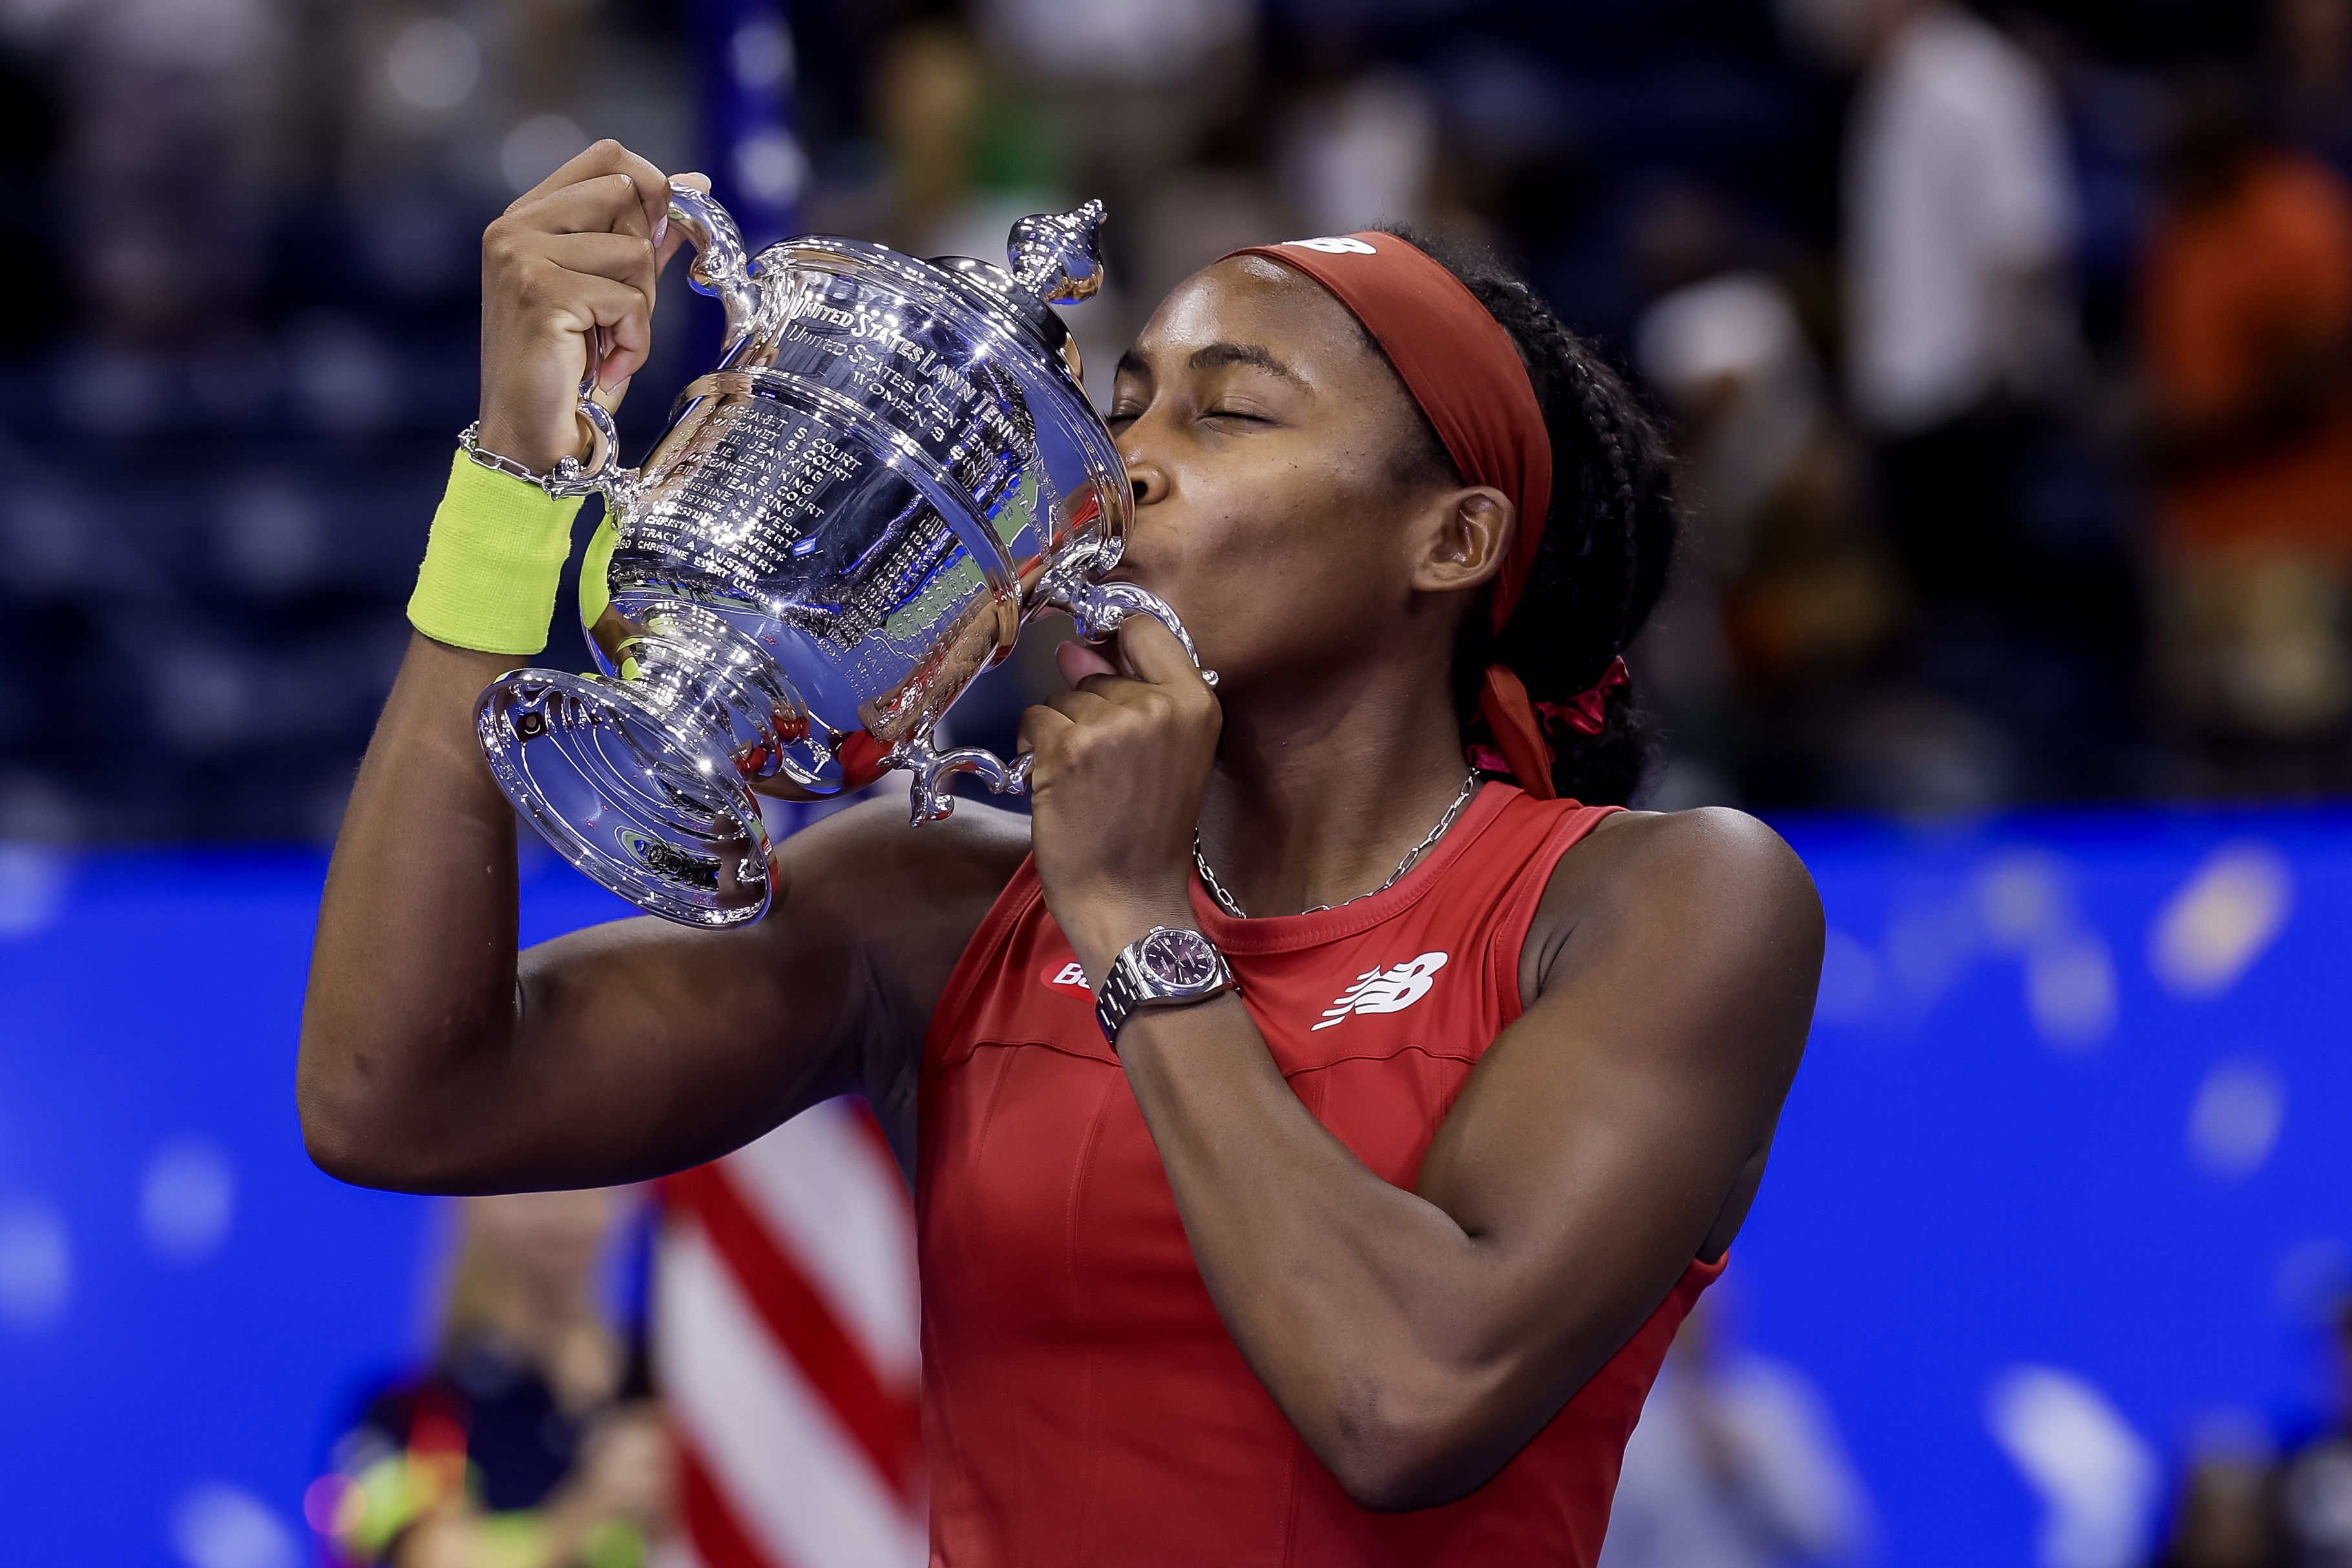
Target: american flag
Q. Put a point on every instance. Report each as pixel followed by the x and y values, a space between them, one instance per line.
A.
pixel 784 1337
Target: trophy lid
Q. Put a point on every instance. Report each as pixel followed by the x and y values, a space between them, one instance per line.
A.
pixel 1050 258
pixel 1001 288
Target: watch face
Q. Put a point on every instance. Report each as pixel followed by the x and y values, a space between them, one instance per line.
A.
pixel 1179 958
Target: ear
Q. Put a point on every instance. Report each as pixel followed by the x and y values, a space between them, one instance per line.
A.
pixel 1467 534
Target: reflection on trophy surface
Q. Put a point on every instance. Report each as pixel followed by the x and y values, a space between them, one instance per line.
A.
pixel 893 466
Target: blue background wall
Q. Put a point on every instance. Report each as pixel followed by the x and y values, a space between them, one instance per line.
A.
pixel 150 1001
pixel 2028 1132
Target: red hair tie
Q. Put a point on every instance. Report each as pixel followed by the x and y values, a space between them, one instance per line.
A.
pixel 1517 724
pixel 1518 736
pixel 1587 710
pixel 1463 370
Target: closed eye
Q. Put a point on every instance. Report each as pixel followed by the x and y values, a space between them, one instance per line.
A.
pixel 1117 418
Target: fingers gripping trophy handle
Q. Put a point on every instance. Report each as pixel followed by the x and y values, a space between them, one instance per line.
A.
pixel 1099 608
pixel 722 268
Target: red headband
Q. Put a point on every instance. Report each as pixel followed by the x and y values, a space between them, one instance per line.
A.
pixel 1462 367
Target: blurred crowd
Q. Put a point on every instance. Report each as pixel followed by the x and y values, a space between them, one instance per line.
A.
pixel 1735 1463
pixel 2245 1501
pixel 530 1439
pixel 2007 343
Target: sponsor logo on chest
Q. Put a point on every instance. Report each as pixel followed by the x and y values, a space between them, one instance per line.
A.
pixel 1388 990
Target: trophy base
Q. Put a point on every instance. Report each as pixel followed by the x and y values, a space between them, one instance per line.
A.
pixel 636 800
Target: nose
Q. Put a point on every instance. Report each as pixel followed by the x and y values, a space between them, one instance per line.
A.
pixel 1145 476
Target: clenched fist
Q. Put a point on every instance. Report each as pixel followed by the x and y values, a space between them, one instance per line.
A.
pixel 568 276
pixel 1120 762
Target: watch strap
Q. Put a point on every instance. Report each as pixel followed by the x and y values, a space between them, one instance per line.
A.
pixel 1125 992
pixel 1118 998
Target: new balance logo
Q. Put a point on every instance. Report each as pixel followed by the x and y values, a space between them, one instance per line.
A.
pixel 1390 990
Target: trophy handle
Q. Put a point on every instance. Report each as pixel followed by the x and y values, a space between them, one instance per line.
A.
pixel 722 265
pixel 1099 608
pixel 603 474
pixel 929 798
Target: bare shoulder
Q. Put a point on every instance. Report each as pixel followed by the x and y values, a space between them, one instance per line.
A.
pixel 1707 849
pixel 1701 889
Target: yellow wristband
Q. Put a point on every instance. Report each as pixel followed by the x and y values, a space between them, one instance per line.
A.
pixel 492 562
pixel 595 571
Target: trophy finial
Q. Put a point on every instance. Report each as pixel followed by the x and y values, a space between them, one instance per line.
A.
pixel 1058 255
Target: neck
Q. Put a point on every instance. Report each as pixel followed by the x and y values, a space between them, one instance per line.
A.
pixel 1320 789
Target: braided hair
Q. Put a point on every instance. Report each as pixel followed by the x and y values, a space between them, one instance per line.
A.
pixel 1607 541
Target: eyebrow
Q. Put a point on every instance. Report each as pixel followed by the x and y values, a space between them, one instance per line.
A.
pixel 1214 355
pixel 1251 354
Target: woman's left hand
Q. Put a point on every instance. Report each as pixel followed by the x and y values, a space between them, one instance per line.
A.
pixel 1122 762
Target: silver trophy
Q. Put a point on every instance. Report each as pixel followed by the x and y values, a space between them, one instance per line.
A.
pixel 894 466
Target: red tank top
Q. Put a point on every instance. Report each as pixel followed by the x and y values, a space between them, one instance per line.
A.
pixel 1082 1401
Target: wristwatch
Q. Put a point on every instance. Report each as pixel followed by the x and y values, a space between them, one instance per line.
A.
pixel 1164 968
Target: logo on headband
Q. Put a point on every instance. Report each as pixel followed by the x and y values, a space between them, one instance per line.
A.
pixel 1344 245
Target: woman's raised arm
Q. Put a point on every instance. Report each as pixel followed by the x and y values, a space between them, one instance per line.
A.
pixel 434 1059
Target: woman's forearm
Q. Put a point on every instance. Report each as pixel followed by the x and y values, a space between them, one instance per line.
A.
pixel 1614 1132
pixel 1370 1315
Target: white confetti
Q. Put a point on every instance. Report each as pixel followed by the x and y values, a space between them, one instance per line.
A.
pixel 2098 1477
pixel 2022 898
pixel 187 1199
pixel 2233 1122
pixel 2223 918
pixel 1850 983
pixel 2070 990
pixel 36 1266
pixel 217 1525
pixel 32 888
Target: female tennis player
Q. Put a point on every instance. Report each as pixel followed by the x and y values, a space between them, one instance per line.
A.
pixel 1319 1119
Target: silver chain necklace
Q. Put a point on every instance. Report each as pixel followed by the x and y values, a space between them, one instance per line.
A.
pixel 1226 900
